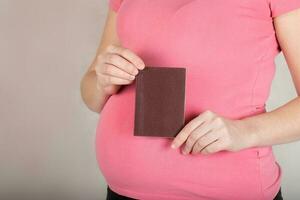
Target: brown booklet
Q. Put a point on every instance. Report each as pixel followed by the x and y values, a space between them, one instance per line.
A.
pixel 159 101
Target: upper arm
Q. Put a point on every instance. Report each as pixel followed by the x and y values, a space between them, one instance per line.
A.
pixel 109 33
pixel 287 26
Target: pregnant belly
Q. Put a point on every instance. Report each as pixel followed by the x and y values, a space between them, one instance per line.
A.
pixel 146 164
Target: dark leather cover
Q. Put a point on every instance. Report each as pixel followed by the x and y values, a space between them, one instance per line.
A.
pixel 159 101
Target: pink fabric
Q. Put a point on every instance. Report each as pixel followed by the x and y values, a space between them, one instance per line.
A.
pixel 228 49
pixel 115 4
pixel 279 7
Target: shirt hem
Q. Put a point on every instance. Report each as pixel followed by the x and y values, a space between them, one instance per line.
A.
pixel 144 196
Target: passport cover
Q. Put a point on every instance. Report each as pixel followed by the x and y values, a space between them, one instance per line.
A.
pixel 159 101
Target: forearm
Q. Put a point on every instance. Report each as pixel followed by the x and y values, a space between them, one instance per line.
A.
pixel 279 126
pixel 94 99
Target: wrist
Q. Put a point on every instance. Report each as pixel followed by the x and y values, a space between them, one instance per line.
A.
pixel 251 131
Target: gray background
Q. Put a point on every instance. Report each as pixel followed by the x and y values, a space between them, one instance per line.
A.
pixel 46 132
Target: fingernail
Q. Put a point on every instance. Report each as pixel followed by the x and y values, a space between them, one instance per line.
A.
pixel 142 66
pixel 173 146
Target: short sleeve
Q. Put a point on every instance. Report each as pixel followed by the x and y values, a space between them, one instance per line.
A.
pixel 279 7
pixel 115 4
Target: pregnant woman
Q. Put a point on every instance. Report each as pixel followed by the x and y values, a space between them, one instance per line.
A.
pixel 224 151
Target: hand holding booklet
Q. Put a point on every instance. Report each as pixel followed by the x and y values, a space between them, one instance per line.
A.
pixel 159 101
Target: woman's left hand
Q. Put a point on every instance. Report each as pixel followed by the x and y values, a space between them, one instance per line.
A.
pixel 209 133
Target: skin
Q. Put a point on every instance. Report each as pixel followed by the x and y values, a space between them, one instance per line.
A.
pixel 112 67
pixel 208 132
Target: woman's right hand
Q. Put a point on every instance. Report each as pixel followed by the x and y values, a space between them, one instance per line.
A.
pixel 116 66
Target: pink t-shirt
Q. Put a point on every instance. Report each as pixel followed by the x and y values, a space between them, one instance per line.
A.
pixel 228 49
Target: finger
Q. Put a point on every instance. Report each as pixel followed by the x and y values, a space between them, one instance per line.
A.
pixel 117 72
pixel 213 147
pixel 198 132
pixel 128 55
pixel 205 140
pixel 121 63
pixel 115 80
pixel 187 129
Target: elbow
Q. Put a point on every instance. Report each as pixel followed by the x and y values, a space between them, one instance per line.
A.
pixel 93 108
pixel 87 100
pixel 91 105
